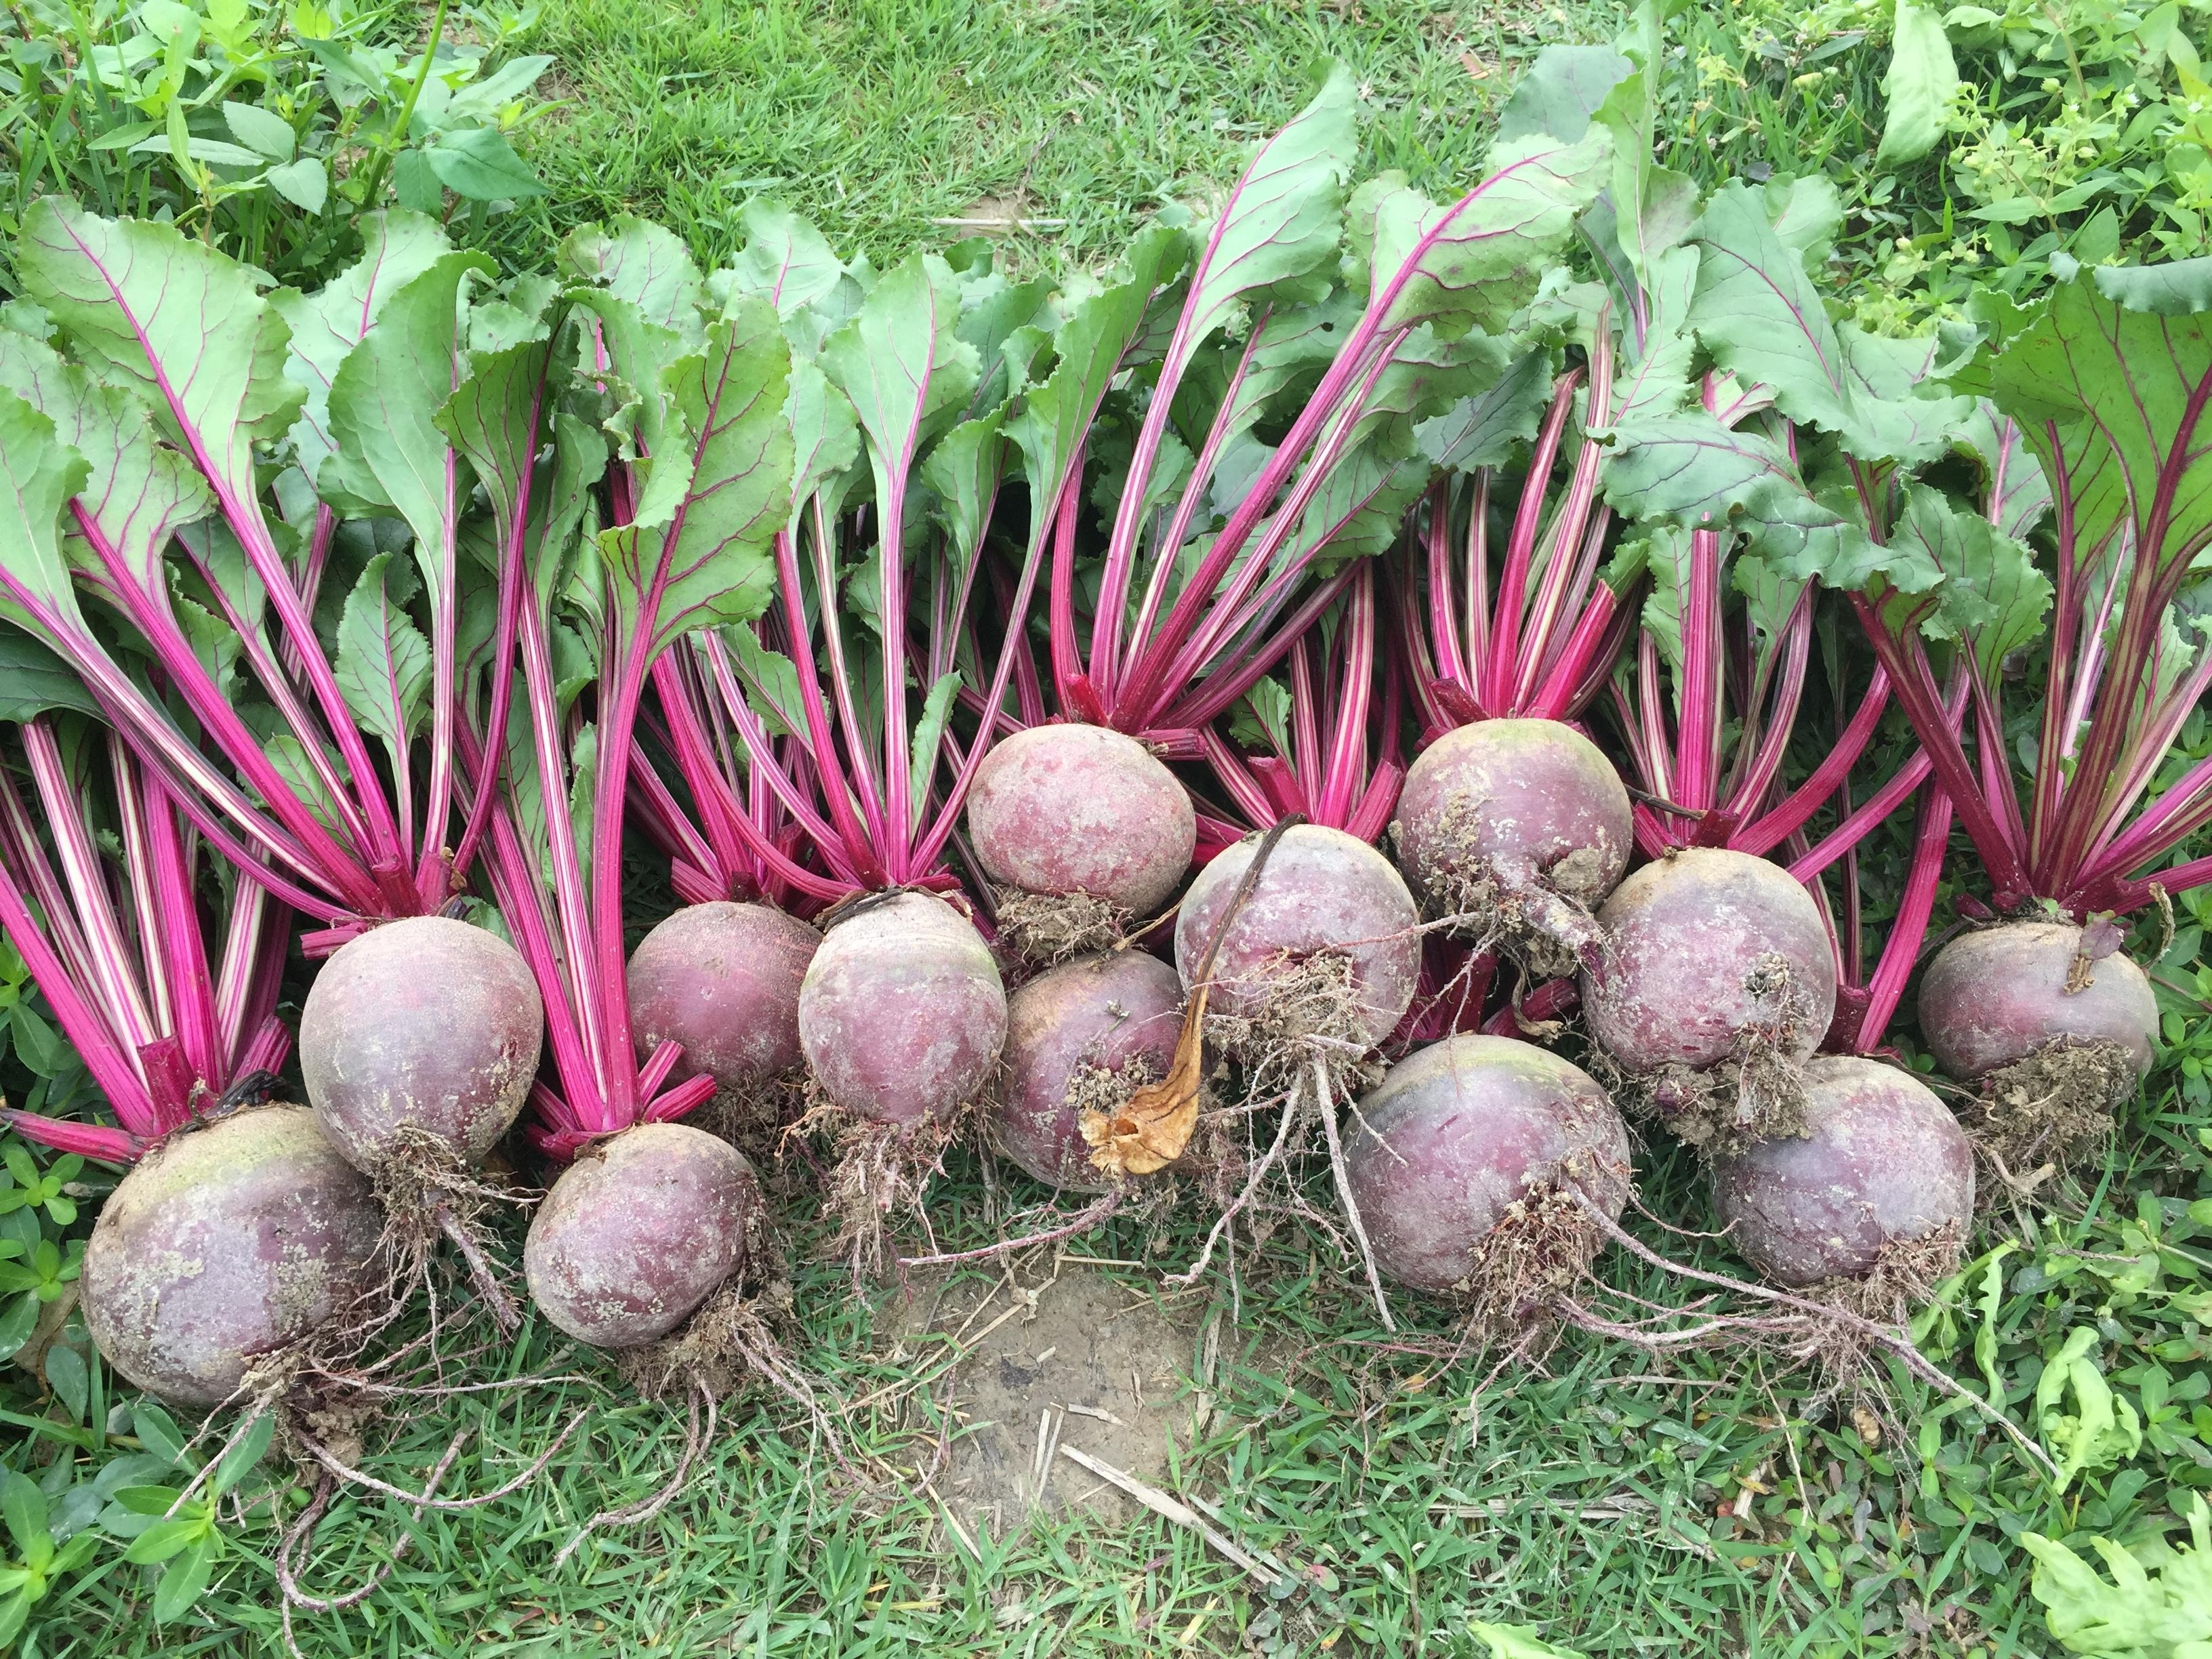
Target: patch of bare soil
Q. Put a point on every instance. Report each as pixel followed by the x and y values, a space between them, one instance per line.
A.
pixel 1078 1360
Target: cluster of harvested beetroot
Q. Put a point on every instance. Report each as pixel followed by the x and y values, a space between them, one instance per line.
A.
pixel 928 630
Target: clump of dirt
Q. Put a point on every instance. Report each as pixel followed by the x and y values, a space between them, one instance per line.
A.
pixel 2054 1107
pixel 1046 929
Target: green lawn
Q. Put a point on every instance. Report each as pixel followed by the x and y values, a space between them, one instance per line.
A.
pixel 1058 125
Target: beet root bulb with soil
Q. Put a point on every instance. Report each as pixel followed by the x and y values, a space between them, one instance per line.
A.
pixel 1716 983
pixel 902 1013
pixel 638 1231
pixel 1880 1185
pixel 1082 1037
pixel 722 980
pixel 1324 952
pixel 1471 1162
pixel 226 1244
pixel 1075 812
pixel 2053 1038
pixel 424 1030
pixel 1519 827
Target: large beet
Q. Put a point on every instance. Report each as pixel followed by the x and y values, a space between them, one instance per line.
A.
pixel 638 1232
pixel 1992 999
pixel 1522 825
pixel 902 1013
pixel 722 979
pixel 1080 809
pixel 1882 1162
pixel 1322 894
pixel 228 1241
pixel 1086 1023
pixel 1703 949
pixel 1459 1131
pixel 428 1025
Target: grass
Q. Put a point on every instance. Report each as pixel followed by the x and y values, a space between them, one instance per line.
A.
pixel 1057 125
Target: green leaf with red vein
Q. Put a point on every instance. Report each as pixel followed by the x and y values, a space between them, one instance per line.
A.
pixel 398 247
pixel 1760 315
pixel 645 264
pixel 1473 263
pixel 151 309
pixel 2126 392
pixel 137 491
pixel 383 662
pixel 704 562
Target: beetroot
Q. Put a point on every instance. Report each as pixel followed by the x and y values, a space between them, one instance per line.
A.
pixel 1992 999
pixel 1882 1167
pixel 638 1232
pixel 428 1027
pixel 902 1013
pixel 1082 1037
pixel 1521 826
pixel 1460 1132
pixel 1717 971
pixel 224 1243
pixel 722 980
pixel 2054 1037
pixel 1327 945
pixel 1072 809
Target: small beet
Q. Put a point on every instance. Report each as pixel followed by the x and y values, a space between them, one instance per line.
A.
pixel 1521 824
pixel 902 1013
pixel 427 1025
pixel 1882 1162
pixel 1073 808
pixel 722 979
pixel 638 1232
pixel 1703 948
pixel 224 1243
pixel 1322 894
pixel 1992 999
pixel 1082 1022
pixel 1460 1130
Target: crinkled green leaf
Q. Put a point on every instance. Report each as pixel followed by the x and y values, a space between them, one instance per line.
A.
pixel 383 665
pixel 825 438
pixel 38 474
pixel 785 259
pixel 1088 346
pixel 1760 315
pixel 1560 92
pixel 138 489
pixel 383 406
pixel 704 562
pixel 645 264
pixel 1473 263
pixel 2016 494
pixel 962 469
pixel 1691 470
pixel 902 363
pixel 1991 596
pixel 928 737
pixel 1282 219
pixel 175 321
pixel 1485 429
pixel 398 247
pixel 2118 384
